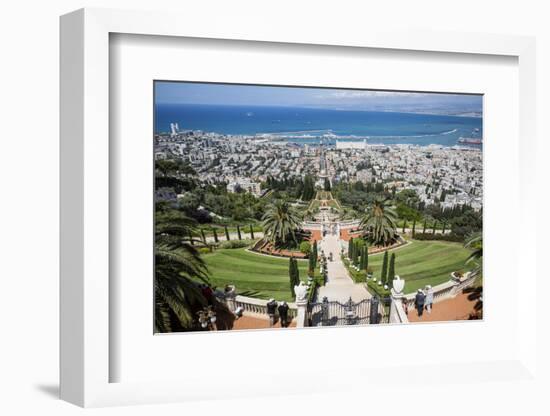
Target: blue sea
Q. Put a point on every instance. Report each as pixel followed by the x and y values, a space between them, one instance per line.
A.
pixel 309 125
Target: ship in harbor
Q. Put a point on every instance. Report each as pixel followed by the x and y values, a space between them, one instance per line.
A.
pixel 470 140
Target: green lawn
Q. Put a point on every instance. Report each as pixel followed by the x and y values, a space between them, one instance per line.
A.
pixel 424 262
pixel 252 274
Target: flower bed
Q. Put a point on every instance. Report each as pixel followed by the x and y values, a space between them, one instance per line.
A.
pixel 265 247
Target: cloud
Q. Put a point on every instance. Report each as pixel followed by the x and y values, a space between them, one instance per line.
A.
pixel 358 95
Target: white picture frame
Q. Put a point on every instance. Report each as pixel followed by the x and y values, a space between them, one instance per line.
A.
pixel 86 355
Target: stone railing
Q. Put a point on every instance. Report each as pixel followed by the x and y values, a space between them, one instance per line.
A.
pixel 310 225
pixel 349 223
pixel 446 290
pixel 252 306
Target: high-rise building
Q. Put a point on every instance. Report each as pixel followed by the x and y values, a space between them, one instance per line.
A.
pixel 174 129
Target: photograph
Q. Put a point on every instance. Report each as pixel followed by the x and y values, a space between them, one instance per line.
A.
pixel 280 207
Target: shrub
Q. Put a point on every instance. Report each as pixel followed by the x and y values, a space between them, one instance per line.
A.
pixel 439 237
pixel 305 247
pixel 235 243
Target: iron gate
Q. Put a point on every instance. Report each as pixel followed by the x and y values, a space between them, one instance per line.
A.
pixel 333 313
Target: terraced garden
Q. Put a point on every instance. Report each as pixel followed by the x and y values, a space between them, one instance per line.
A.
pixel 252 274
pixel 424 263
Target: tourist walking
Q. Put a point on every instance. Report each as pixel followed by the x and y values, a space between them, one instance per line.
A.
pixel 429 298
pixel 271 310
pixel 283 314
pixel 419 301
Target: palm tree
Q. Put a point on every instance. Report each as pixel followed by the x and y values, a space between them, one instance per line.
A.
pixel 280 223
pixel 178 266
pixel 475 242
pixel 379 223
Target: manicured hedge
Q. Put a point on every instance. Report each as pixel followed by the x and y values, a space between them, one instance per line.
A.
pixel 438 237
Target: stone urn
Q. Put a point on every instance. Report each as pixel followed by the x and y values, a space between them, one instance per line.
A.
pixel 398 284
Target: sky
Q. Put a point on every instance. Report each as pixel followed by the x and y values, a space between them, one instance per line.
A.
pixel 367 100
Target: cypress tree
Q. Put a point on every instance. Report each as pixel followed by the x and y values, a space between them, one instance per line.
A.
pixel 226 233
pixel 414 228
pixel 384 272
pixel 251 232
pixel 366 260
pixel 296 273
pixel 311 270
pixel 355 252
pixel 315 254
pixel 239 232
pixel 350 248
pixel 391 271
pixel 291 275
pixel 215 235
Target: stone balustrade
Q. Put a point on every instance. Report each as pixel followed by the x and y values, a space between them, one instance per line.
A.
pixel 446 290
pixel 253 306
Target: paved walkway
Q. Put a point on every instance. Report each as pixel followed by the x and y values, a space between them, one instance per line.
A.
pixel 340 286
pixel 455 309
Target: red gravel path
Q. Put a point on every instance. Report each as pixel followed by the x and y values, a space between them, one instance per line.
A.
pixel 248 322
pixel 455 309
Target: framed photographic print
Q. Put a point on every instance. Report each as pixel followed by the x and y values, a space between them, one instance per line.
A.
pixel 225 197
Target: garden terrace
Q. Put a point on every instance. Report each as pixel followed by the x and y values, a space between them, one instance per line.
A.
pixel 421 263
pixel 252 274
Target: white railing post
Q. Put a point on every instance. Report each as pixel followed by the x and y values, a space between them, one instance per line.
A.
pixel 301 292
pixel 397 312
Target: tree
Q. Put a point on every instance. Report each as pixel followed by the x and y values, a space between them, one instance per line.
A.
pixel 311 269
pixel 215 235
pixel 475 242
pixel 226 233
pixel 379 223
pixel 315 254
pixel 280 223
pixel 305 247
pixel 435 225
pixel 355 252
pixel 424 229
pixel 350 248
pixel 384 272
pixel 365 256
pixel 251 232
pixel 327 186
pixel 414 229
pixel 294 274
pixel 239 232
pixel 391 271
pixel 309 188
pixel 177 266
pixel 291 275
pixel 404 226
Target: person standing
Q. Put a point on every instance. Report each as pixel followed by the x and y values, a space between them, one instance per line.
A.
pixel 429 298
pixel 283 314
pixel 419 301
pixel 271 310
